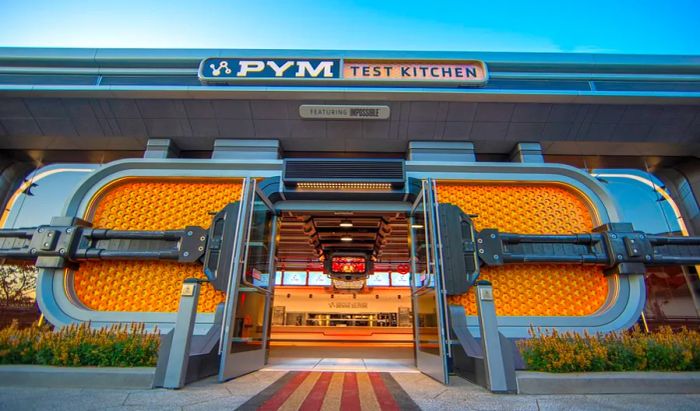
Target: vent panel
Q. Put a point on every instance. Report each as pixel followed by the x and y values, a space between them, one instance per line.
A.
pixel 342 170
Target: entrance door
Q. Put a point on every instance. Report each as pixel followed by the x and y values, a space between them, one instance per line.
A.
pixel 428 299
pixel 246 324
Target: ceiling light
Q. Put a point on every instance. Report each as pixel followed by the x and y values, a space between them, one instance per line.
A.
pixel 416 225
pixel 346 223
pixel 346 239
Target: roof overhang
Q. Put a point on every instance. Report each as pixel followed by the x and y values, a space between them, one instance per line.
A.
pixel 116 99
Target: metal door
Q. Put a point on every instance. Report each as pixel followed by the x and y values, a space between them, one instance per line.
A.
pixel 245 333
pixel 428 299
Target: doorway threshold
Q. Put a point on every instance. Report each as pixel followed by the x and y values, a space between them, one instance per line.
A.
pixel 341 364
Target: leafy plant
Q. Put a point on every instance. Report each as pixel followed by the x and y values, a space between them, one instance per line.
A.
pixel 633 350
pixel 119 345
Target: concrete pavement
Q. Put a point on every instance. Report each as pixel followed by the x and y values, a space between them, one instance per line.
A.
pixel 427 393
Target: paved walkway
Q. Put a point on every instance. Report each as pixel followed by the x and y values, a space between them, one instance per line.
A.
pixel 428 394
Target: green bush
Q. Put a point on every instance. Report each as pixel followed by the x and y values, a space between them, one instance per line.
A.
pixel 79 345
pixel 632 350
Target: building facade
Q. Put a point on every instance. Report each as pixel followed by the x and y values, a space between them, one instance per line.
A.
pixel 337 162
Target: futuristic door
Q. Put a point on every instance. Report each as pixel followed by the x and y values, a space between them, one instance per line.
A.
pixel 246 323
pixel 428 299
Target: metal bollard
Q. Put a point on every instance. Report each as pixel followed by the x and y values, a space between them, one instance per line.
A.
pixel 494 365
pixel 178 357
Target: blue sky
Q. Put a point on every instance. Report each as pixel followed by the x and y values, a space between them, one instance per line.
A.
pixel 610 26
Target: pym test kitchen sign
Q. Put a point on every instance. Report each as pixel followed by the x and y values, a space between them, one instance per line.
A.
pixel 265 70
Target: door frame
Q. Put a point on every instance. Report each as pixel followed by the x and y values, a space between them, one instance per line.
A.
pixel 234 364
pixel 433 365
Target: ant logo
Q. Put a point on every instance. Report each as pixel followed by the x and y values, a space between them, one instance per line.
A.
pixel 216 71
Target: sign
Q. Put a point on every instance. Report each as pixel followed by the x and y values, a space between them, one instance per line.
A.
pixel 344 112
pixel 486 293
pixel 463 72
pixel 334 304
pixel 227 69
pixel 403 268
pixel 266 70
pixel 187 290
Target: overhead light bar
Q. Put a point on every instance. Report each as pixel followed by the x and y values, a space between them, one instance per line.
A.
pixel 346 223
pixel 344 186
pixel 346 239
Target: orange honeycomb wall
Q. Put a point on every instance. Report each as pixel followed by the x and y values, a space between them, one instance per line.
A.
pixel 150 286
pixel 531 290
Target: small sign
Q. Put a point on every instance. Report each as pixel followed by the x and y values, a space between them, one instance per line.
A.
pixel 343 112
pixel 187 290
pixel 486 294
pixel 334 304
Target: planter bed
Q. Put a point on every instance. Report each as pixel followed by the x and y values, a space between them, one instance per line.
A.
pixel 636 382
pixel 76 377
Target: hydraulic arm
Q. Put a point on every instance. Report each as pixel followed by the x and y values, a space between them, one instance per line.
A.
pixel 68 241
pixel 617 247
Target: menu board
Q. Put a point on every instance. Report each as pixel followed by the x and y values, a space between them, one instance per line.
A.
pixel 278 278
pixel 294 278
pixel 378 280
pixel 319 279
pixel 400 280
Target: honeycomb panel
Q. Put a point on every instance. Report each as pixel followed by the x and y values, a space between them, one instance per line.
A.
pixel 538 289
pixel 151 286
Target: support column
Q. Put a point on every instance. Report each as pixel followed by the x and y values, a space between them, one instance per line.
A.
pixel 161 148
pixel 12 174
pixel 449 151
pixel 246 150
pixel 683 184
pixel 527 153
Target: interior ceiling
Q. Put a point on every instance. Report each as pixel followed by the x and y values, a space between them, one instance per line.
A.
pixel 305 237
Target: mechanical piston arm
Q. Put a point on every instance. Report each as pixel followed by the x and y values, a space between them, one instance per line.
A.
pixel 616 246
pixel 68 241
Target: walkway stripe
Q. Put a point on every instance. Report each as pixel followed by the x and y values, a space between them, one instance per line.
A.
pixel 255 402
pixel 294 401
pixel 314 400
pixel 384 397
pixel 368 401
pixel 351 397
pixel 403 400
pixel 281 396
pixel 334 393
